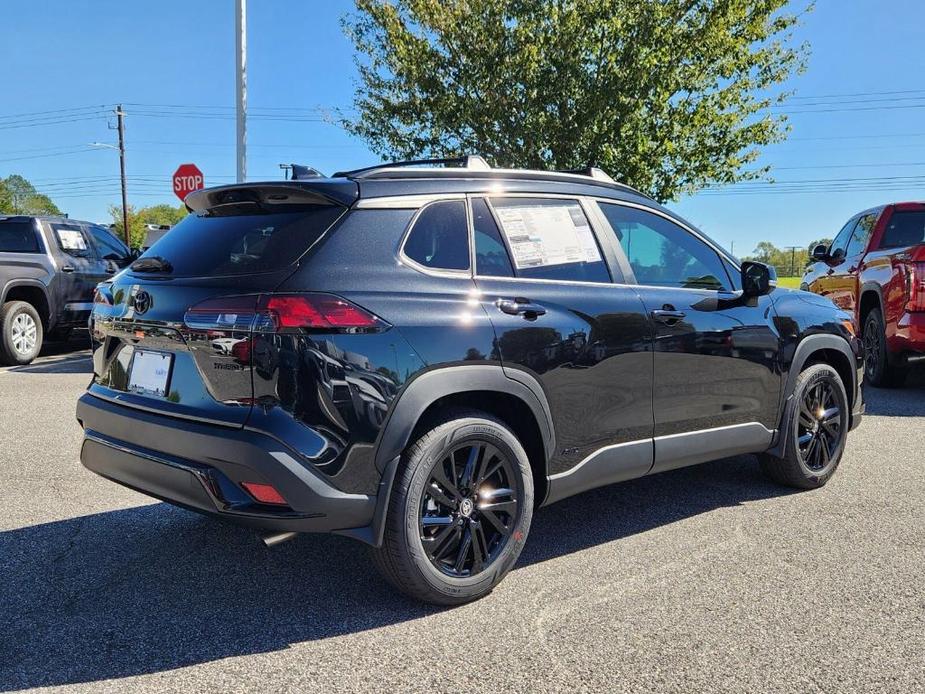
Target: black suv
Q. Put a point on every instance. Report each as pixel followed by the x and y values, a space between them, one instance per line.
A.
pixel 48 269
pixel 419 357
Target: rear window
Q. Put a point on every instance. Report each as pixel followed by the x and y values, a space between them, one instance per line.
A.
pixel 18 237
pixel 904 229
pixel 210 244
pixel 439 238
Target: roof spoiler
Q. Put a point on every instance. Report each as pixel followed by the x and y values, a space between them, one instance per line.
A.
pixel 278 193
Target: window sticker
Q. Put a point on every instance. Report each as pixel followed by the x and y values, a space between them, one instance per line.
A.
pixel 543 235
pixel 71 239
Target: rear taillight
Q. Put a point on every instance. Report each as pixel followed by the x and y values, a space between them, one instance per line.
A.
pixel 915 286
pixel 281 313
pixel 315 311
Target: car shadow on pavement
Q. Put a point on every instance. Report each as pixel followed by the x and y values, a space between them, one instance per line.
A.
pixel 154 588
pixel 71 364
pixel 908 401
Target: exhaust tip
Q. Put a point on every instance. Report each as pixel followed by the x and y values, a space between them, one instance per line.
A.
pixel 278 538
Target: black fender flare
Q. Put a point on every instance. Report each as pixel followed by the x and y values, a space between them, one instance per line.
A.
pixel 876 289
pixel 27 282
pixel 418 395
pixel 806 347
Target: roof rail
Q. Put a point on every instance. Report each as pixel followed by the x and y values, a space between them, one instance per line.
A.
pixel 471 161
pixel 591 171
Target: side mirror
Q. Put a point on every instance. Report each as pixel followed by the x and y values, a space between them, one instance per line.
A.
pixel 819 252
pixel 837 254
pixel 758 279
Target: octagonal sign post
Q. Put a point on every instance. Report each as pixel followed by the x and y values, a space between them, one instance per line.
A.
pixel 186 179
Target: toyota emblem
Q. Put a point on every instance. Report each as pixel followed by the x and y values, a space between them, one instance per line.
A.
pixel 142 301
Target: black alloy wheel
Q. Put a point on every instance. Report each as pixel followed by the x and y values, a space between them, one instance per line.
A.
pixel 819 419
pixel 819 425
pixel 468 509
pixel 873 353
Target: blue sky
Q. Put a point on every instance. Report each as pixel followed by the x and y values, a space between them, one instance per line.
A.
pixel 155 56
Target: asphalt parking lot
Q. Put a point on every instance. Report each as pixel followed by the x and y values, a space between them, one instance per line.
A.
pixel 704 579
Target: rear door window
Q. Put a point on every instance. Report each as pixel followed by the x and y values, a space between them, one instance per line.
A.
pixel 18 237
pixel 72 239
pixel 439 237
pixel 550 239
pixel 242 241
pixel 904 229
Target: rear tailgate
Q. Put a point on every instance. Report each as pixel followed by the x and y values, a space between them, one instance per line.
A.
pixel 175 338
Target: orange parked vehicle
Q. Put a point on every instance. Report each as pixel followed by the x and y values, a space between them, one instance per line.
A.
pixel 875 268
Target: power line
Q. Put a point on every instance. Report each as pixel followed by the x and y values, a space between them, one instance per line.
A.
pixel 839 96
pixel 28 124
pixel 101 107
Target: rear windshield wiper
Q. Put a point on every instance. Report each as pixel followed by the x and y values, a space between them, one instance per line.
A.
pixel 153 263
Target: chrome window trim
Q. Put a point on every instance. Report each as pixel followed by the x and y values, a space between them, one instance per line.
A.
pixel 413 264
pixel 404 202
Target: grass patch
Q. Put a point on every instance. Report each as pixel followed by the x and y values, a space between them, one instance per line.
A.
pixel 789 282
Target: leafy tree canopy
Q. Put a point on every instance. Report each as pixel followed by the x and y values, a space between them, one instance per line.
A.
pixel 788 261
pixel 18 196
pixel 138 218
pixel 666 95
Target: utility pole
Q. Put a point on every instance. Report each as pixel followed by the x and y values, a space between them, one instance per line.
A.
pixel 241 87
pixel 793 250
pixel 120 114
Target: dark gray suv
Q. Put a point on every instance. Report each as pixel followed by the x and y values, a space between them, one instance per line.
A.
pixel 49 267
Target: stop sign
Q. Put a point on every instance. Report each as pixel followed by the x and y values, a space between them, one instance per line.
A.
pixel 186 179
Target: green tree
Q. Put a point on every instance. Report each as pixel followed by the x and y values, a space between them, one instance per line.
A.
pixel 765 252
pixel 18 196
pixel 137 218
pixel 787 260
pixel 667 96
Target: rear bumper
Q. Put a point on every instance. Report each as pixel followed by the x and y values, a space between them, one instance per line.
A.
pixel 201 467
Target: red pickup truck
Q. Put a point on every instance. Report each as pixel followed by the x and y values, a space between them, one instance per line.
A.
pixel 875 268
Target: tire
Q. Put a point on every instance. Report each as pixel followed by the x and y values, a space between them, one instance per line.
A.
pixel 418 501
pixel 20 333
pixel 877 368
pixel 808 464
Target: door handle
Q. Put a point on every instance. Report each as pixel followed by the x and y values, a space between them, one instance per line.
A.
pixel 668 316
pixel 67 268
pixel 521 307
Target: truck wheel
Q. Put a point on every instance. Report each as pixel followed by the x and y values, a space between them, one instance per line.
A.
pixel 20 333
pixel 459 511
pixel 816 435
pixel 877 368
